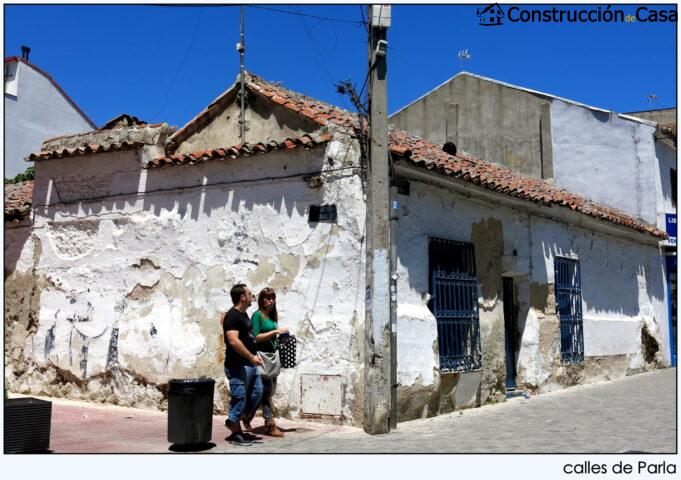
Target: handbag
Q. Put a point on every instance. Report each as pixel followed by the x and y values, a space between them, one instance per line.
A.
pixel 287 347
pixel 271 365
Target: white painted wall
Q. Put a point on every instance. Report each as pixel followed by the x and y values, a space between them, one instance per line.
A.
pixel 158 266
pixel 666 156
pixel 605 158
pixel 622 282
pixel 34 110
pixel 623 286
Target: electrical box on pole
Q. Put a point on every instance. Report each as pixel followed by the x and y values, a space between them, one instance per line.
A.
pixel 380 16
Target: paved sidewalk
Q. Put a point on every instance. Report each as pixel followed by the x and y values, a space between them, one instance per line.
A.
pixel 635 413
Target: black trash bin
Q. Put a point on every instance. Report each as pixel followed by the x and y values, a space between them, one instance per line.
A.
pixel 190 411
pixel 27 425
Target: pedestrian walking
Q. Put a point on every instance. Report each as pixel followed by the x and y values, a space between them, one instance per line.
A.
pixel 245 384
pixel 265 329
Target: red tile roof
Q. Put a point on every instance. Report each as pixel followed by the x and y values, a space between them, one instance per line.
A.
pixel 84 150
pixel 307 141
pixel 56 85
pixel 494 177
pixel 18 197
pixel 323 113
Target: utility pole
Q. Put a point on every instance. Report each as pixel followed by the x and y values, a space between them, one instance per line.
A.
pixel 377 356
pixel 241 48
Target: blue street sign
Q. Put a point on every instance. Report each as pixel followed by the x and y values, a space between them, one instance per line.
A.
pixel 670 227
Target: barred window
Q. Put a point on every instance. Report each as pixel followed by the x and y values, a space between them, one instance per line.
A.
pixel 454 302
pixel 569 308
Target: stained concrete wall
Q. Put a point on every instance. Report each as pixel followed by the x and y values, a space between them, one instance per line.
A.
pixel 132 286
pixel 487 120
pixel 606 158
pixel 264 122
pixel 36 112
pixel 623 290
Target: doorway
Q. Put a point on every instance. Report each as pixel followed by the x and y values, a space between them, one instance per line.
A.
pixel 510 329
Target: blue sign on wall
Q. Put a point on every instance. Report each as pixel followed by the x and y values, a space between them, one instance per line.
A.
pixel 670 227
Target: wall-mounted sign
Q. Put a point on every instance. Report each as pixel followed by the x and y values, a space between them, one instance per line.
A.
pixel 670 227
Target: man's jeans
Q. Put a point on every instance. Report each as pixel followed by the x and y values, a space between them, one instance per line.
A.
pixel 245 386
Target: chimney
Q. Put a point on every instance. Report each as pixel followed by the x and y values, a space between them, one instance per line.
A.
pixel 25 51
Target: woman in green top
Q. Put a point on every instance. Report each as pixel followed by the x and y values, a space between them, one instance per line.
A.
pixel 265 330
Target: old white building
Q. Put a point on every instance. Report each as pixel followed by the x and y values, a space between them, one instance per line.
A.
pixel 139 232
pixel 609 157
pixel 36 107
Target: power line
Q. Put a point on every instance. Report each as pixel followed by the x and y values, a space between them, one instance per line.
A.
pixel 321 56
pixel 357 22
pixel 177 73
pixel 364 21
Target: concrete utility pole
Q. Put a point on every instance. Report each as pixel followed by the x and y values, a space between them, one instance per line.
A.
pixel 241 48
pixel 377 356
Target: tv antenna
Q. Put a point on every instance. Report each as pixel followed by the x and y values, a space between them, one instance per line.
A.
pixel 463 56
pixel 652 98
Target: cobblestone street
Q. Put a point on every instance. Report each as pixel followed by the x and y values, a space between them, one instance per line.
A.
pixel 637 413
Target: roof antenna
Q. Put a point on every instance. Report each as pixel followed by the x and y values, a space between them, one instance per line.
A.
pixel 241 48
pixel 25 51
pixel 463 56
pixel 652 98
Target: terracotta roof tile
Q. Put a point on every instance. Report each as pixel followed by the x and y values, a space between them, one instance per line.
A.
pixel 500 179
pixel 306 141
pixel 84 150
pixel 18 197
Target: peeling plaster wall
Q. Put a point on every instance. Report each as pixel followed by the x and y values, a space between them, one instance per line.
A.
pixel 622 285
pixel 605 158
pixel 134 285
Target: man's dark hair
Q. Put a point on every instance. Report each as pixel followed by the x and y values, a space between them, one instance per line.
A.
pixel 236 292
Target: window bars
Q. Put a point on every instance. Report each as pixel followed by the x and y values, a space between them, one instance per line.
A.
pixel 454 291
pixel 569 308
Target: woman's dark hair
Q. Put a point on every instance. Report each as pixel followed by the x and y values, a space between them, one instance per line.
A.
pixel 268 293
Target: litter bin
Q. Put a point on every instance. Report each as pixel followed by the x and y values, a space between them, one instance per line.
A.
pixel 27 425
pixel 190 411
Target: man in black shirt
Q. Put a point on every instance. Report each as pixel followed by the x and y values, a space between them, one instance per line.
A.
pixel 245 384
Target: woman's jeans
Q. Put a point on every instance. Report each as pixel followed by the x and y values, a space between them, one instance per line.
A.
pixel 269 386
pixel 245 387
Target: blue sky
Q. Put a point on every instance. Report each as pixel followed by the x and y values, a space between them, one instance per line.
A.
pixel 124 59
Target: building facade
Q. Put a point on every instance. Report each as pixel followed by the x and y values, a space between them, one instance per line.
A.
pixel 36 108
pixel 608 157
pixel 505 281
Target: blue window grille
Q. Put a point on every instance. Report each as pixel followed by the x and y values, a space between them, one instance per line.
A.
pixel 454 302
pixel 569 308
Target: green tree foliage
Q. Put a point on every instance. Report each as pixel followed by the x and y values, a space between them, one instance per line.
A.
pixel 29 174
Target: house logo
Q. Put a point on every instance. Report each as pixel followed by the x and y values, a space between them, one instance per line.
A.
pixel 491 15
